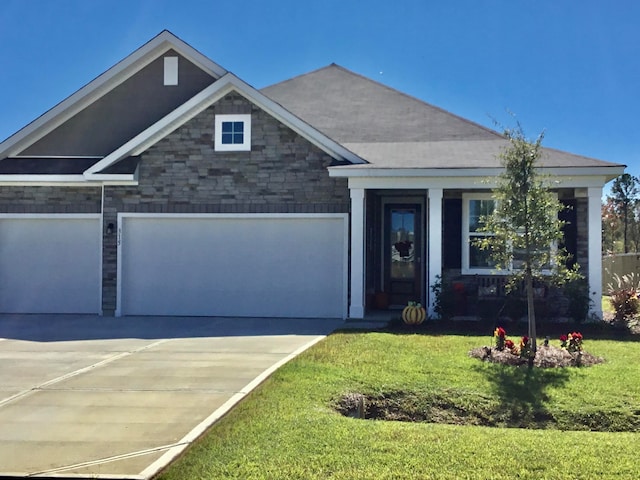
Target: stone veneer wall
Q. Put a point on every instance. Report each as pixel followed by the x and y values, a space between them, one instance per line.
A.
pixel 48 199
pixel 283 173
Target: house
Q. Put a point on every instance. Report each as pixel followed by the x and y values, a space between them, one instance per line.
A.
pixel 169 186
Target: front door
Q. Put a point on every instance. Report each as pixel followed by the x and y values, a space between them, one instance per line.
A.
pixel 402 258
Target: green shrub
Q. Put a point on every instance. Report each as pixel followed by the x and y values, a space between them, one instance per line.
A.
pixel 444 299
pixel 577 292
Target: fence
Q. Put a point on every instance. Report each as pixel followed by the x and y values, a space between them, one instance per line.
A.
pixel 622 264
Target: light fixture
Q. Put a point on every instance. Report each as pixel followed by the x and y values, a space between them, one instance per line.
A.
pixel 110 229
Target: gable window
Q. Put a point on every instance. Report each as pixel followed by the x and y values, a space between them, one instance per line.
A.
pixel 233 133
pixel 474 208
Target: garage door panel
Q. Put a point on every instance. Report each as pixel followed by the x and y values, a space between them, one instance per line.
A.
pixel 50 265
pixel 269 266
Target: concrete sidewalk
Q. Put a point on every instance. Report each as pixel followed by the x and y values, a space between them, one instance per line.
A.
pixel 93 397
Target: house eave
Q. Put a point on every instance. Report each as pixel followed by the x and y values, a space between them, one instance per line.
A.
pixel 45 180
pixel 361 171
pixel 66 180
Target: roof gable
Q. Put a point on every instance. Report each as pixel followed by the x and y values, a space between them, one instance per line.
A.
pixel 203 100
pixel 99 87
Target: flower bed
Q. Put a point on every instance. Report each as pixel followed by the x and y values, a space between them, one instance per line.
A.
pixel 505 351
pixel 546 357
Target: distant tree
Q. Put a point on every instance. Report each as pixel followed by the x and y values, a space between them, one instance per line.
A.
pixel 523 230
pixel 610 225
pixel 625 192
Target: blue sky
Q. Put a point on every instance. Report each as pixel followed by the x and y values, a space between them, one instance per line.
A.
pixel 570 67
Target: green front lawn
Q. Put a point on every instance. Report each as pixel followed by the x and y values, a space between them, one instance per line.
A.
pixel 606 304
pixel 286 429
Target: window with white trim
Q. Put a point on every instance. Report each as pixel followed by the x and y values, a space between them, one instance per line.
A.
pixel 475 206
pixel 233 133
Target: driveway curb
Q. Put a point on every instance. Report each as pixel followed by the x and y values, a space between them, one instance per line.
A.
pixel 197 432
pixel 111 398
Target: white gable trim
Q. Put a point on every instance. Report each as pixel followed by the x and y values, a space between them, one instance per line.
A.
pixel 66 180
pixel 45 180
pixel 103 84
pixel 204 100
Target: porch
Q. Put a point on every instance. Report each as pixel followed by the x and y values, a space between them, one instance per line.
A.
pixel 408 242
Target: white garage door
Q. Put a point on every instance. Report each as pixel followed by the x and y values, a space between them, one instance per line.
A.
pixel 50 264
pixel 220 265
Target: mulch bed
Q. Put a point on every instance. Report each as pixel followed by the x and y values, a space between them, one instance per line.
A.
pixel 546 357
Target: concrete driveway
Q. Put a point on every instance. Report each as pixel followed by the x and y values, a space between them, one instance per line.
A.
pixel 92 397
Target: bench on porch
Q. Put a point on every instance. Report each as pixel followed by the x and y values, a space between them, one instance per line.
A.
pixel 486 297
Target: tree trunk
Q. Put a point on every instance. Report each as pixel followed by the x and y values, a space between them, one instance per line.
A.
pixel 531 316
pixel 626 224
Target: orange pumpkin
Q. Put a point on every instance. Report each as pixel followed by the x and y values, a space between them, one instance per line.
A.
pixel 413 314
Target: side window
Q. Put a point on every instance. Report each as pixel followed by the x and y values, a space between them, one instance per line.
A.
pixel 232 133
pixel 474 208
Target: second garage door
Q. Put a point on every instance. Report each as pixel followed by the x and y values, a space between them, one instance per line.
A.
pixel 289 265
pixel 50 263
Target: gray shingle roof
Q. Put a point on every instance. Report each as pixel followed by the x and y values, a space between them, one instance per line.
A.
pixel 390 129
pixel 457 154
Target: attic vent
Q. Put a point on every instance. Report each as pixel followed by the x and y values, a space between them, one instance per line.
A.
pixel 171 70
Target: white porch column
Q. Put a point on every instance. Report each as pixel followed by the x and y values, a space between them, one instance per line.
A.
pixel 356 306
pixel 595 249
pixel 434 257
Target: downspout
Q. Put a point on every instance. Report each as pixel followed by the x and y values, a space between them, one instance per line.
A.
pixel 102 230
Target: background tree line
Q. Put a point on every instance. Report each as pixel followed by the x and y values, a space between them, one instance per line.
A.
pixel 621 216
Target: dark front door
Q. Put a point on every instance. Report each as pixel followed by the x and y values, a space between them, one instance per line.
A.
pixel 402 258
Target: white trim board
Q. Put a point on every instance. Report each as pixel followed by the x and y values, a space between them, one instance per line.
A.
pixel 479 181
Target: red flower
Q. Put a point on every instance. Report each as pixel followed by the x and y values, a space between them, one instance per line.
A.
pixel 563 338
pixel 577 335
pixel 525 340
pixel 501 332
pixel 509 344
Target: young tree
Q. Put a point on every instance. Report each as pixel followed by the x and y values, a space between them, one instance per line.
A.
pixel 625 194
pixel 523 230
